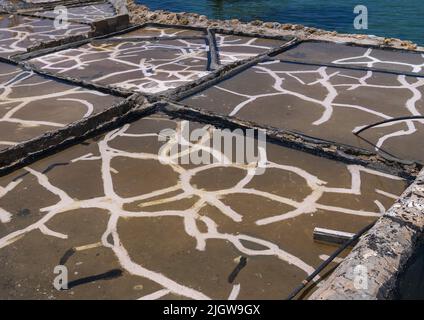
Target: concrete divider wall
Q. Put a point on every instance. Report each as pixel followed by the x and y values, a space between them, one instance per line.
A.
pixel 116 23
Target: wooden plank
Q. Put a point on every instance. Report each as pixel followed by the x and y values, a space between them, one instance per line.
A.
pixel 332 236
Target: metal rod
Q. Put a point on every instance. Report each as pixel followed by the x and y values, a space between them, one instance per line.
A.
pixel 305 282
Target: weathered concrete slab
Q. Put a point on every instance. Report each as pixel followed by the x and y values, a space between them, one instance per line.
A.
pixel 326 103
pixel 111 199
pixel 356 56
pixel 19 33
pixel 31 105
pixel 150 65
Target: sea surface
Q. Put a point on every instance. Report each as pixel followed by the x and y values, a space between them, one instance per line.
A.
pixel 402 19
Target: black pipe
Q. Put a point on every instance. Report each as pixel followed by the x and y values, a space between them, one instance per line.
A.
pixel 387 121
pixel 327 262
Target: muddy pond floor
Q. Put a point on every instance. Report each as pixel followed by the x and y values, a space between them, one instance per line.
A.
pixel 116 204
pixel 151 60
pixel 181 228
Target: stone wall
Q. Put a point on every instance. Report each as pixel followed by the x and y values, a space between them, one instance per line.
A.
pixel 142 14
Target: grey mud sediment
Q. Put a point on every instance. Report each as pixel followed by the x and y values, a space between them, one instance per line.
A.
pixel 297 140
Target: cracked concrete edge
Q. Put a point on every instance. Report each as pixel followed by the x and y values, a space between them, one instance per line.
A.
pixel 296 140
pixel 383 252
pixel 51 142
pixel 40 48
pixel 142 14
pixel 45 48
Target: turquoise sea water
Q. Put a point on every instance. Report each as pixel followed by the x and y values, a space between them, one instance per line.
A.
pixel 390 18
